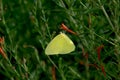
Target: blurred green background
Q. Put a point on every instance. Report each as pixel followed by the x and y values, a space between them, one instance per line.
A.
pixel 29 25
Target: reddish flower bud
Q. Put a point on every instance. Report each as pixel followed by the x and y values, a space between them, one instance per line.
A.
pixel 103 70
pixel 53 73
pixel 64 27
pixel 3 53
pixel 99 51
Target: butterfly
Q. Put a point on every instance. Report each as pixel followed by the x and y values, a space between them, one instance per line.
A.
pixel 61 44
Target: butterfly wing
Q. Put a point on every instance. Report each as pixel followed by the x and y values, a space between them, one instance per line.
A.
pixel 61 44
pixel 68 45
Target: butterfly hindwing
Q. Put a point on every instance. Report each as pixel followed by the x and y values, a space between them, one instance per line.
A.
pixel 61 44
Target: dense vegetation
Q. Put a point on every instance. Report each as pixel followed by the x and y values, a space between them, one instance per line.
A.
pixel 27 26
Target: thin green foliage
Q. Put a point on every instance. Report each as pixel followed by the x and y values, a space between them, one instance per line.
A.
pixel 28 26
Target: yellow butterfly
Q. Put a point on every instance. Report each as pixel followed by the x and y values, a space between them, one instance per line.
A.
pixel 61 44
